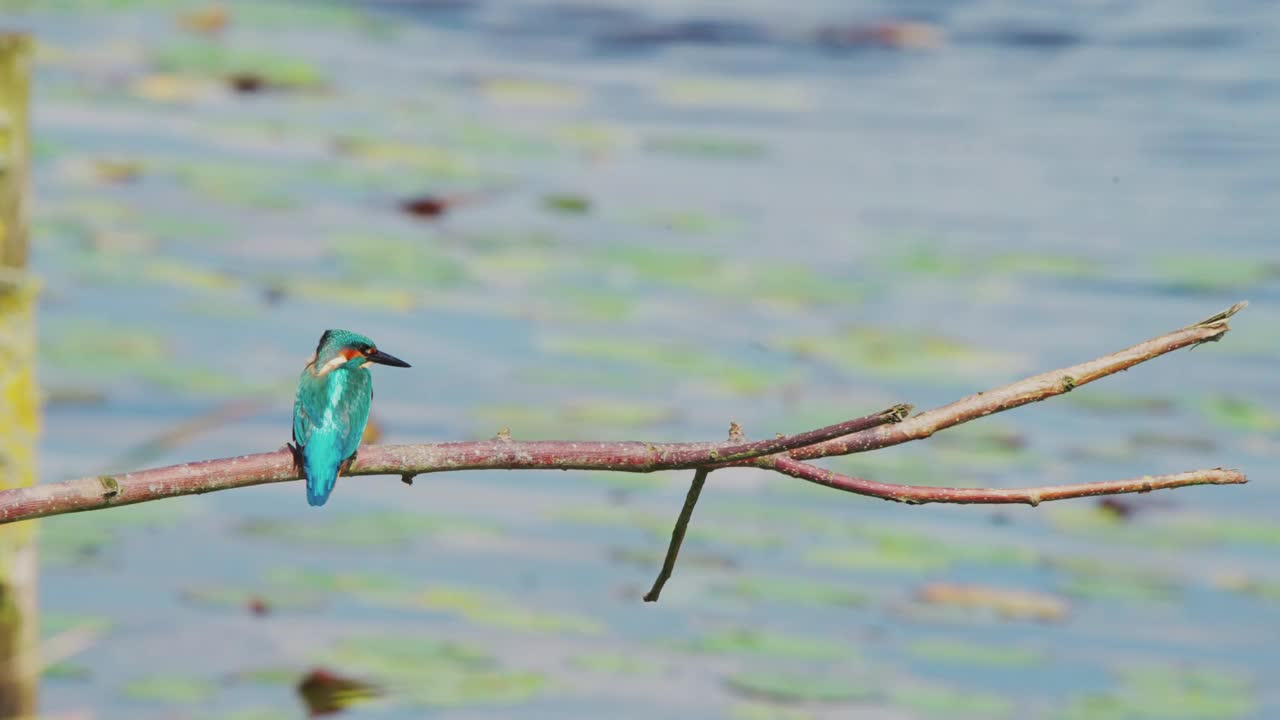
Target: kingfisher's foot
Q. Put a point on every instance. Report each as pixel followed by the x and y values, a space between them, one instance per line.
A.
pixel 345 467
pixel 296 452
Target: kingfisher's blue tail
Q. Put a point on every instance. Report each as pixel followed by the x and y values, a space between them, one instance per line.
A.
pixel 322 473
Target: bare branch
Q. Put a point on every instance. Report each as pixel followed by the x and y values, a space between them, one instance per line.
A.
pixel 103 491
pixel 677 534
pixel 862 434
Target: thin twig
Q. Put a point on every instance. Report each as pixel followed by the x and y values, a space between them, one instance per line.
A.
pixel 677 534
pixel 918 494
pixel 1032 389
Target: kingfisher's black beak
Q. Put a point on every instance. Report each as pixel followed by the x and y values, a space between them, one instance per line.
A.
pixel 384 359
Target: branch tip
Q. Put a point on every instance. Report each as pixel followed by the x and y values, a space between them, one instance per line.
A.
pixel 1224 315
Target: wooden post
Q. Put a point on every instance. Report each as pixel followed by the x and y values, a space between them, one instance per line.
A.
pixel 19 405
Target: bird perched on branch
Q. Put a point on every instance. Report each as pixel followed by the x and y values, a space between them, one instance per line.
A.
pixel 332 407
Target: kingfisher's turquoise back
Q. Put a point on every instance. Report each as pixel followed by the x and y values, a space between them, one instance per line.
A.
pixel 329 415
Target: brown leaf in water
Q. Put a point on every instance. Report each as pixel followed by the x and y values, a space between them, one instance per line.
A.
pixel 1008 603
pixel 326 693
pixel 207 20
pixel 896 34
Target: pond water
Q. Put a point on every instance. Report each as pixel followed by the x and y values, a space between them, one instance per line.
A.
pixel 642 221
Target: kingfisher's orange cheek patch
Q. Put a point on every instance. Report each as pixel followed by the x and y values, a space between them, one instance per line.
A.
pixel 349 353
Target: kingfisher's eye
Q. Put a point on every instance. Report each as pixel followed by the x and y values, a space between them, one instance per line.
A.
pixel 369 350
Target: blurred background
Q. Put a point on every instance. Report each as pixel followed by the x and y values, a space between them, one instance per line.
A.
pixel 642 220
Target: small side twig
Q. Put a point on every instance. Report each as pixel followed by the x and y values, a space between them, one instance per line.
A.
pixel 677 534
pixel 922 494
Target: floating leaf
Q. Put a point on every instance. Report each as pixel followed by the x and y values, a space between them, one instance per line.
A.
pixel 1262 589
pixel 899 550
pixel 1166 530
pixel 257 601
pixel 1112 402
pixel 706 146
pixel 895 353
pixel 1214 273
pixel 672 360
pixel 209 59
pixel 487 609
pixel 755 710
pixel 747 641
pixel 719 93
pixel 1115 580
pixel 175 689
pixel 52 623
pixel 947 703
pixel 789 591
pixel 567 204
pixel 350 529
pixel 794 688
pixel 85 539
pixel 425 671
pixel 1168 693
pixel 67 671
pixel 968 654
pixel 413 263
pixel 616 663
pixel 600 416
pixel 1236 413
pixel 526 92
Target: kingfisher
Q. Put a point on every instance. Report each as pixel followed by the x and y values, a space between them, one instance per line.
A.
pixel 332 407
